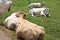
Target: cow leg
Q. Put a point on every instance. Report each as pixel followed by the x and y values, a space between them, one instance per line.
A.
pixel 9 8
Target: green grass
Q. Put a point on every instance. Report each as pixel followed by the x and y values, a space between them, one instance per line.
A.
pixel 51 24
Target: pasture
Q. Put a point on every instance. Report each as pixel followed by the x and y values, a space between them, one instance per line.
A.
pixel 51 24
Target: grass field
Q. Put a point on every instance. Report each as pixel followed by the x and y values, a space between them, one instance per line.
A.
pixel 51 24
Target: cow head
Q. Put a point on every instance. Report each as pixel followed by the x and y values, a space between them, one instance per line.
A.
pixel 21 14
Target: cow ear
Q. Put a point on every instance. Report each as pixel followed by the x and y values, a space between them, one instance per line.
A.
pixel 17 15
pixel 24 16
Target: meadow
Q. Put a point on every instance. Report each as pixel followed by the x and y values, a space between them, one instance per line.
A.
pixel 51 24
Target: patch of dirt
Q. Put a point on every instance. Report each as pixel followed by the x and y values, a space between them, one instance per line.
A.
pixel 3 36
pixel 6 34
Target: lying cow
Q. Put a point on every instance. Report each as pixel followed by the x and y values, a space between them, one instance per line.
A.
pixel 28 31
pixel 36 5
pixel 41 11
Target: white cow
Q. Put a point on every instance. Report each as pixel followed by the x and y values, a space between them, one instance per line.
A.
pixel 41 11
pixel 4 5
pixel 11 21
pixel 36 5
